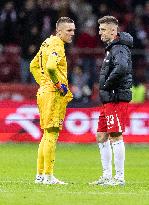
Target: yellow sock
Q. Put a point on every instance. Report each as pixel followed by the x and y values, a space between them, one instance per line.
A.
pixel 49 149
pixel 40 158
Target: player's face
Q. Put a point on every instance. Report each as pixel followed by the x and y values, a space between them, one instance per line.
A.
pixel 66 32
pixel 107 32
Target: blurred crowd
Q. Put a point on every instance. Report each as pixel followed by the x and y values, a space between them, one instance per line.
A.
pixel 25 24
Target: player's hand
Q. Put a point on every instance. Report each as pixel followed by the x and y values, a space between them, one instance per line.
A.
pixel 62 88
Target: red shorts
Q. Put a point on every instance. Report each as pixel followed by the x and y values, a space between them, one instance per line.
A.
pixel 113 117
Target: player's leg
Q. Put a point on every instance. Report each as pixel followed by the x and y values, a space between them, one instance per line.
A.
pixel 105 150
pixel 40 162
pixel 105 153
pixel 53 119
pixel 49 149
pixel 116 126
pixel 49 156
pixel 119 157
pixel 104 145
pixel 106 158
pixel 40 157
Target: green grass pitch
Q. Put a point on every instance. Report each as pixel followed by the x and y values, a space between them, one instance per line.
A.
pixel 76 164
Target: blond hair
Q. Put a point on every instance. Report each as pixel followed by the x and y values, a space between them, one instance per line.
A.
pixel 64 20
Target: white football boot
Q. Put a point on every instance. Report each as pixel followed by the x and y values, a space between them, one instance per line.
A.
pixel 39 179
pixel 115 182
pixel 100 181
pixel 50 179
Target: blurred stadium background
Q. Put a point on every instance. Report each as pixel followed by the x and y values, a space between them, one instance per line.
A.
pixel 24 24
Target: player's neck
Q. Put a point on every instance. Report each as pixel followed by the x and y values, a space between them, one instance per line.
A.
pixel 59 36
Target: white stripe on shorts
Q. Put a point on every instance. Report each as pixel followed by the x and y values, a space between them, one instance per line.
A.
pixel 119 125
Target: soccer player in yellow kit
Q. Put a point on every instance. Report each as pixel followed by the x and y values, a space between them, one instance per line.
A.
pixel 49 68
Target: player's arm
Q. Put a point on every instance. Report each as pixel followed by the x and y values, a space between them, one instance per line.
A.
pixel 35 68
pixel 51 66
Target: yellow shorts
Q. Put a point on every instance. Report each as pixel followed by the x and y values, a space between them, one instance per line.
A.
pixel 52 108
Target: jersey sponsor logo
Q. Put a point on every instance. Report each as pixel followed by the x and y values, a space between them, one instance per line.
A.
pixel 55 54
pixel 105 59
pixel 110 127
pixel 107 53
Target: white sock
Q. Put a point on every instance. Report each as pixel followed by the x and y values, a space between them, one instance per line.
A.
pixel 119 158
pixel 106 158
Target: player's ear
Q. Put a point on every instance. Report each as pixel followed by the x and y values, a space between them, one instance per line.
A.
pixel 57 29
pixel 113 31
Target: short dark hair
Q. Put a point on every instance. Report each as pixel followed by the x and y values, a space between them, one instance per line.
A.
pixel 108 20
pixel 64 20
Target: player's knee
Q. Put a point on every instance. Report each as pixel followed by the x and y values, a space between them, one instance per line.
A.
pixel 52 129
pixel 51 135
pixel 101 137
pixel 115 136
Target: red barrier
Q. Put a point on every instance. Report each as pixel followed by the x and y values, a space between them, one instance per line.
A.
pixel 19 122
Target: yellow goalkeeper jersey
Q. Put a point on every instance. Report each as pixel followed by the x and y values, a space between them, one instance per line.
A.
pixel 50 54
